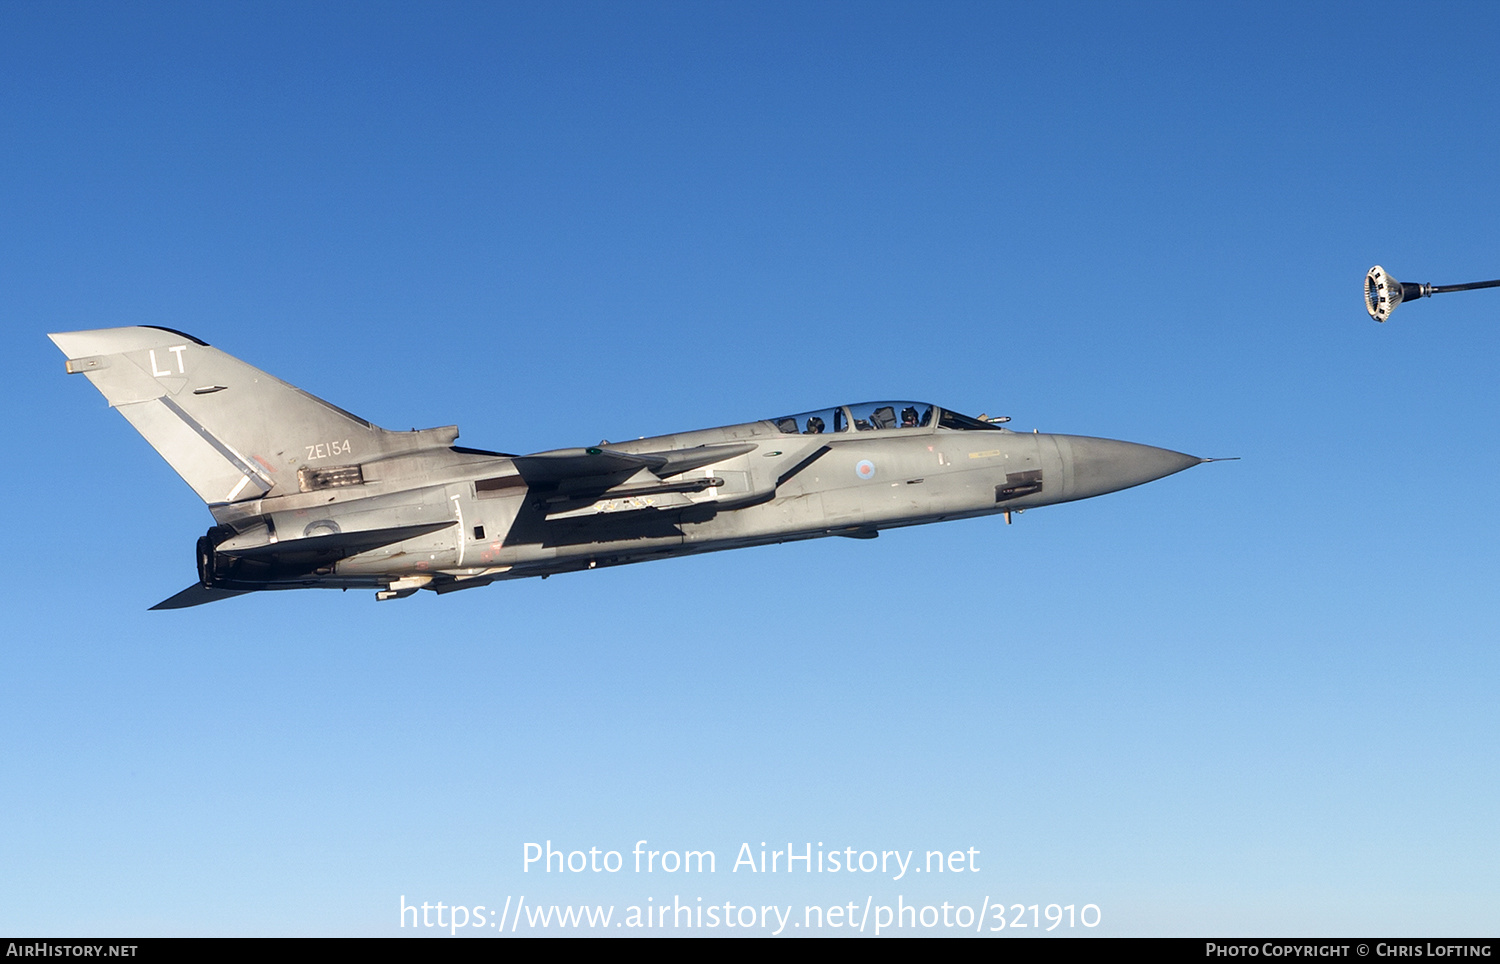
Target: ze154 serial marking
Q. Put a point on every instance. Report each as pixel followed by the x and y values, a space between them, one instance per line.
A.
pixel 324 450
pixel 402 511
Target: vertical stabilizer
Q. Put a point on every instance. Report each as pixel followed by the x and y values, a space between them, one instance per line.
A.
pixel 231 431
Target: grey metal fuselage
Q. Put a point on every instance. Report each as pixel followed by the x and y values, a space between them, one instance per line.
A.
pixel 317 499
pixel 781 487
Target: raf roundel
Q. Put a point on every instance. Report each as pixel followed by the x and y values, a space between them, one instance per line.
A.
pixel 865 469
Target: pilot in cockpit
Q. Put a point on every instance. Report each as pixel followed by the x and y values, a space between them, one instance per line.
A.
pixel 814 425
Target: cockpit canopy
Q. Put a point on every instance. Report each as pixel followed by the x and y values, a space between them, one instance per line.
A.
pixel 878 416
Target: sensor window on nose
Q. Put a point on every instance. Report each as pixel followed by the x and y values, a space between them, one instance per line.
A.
pixel 1018 484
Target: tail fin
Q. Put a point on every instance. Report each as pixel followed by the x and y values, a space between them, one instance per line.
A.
pixel 231 431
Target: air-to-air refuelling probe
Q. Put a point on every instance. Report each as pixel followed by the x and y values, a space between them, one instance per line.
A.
pixel 305 494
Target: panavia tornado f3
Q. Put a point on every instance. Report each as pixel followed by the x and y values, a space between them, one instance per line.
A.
pixel 305 494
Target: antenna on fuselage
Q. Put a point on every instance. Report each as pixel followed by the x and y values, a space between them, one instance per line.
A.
pixel 1383 293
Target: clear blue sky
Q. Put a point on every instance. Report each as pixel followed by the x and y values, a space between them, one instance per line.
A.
pixel 1257 697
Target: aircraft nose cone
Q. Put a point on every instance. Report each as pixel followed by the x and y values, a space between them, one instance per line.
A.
pixel 1100 465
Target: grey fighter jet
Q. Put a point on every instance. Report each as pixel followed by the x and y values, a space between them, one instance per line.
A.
pixel 305 494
